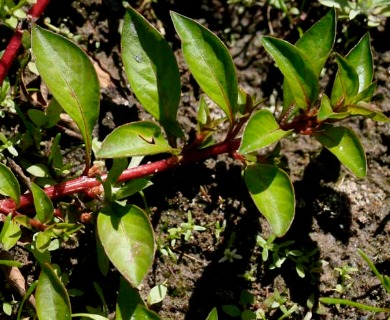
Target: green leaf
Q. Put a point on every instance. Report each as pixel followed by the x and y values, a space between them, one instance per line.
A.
pixel 210 63
pixel 152 70
pixel 157 294
pixel 89 316
pixel 297 70
pixel 261 131
pixel 360 57
pixel 326 112
pixel 141 312
pixel 128 299
pixel 10 233
pixel 346 84
pixel 213 315
pixel 232 310
pixel 316 44
pixel 128 239
pixel 11 263
pixel 42 203
pixel 134 139
pixel 103 261
pixel 273 194
pixel 131 188
pixel 9 186
pixel 52 300
pixel 368 112
pixel 365 95
pixel 71 78
pixel 345 145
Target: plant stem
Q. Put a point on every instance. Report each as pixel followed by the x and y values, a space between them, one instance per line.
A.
pixel 16 41
pixel 85 184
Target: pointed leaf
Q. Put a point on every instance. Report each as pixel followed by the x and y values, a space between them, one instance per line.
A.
pixel 52 300
pixel 128 239
pixel 346 84
pixel 10 233
pixel 210 63
pixel 366 111
pixel 261 131
pixel 42 203
pixel 316 44
pixel 273 194
pixel 71 78
pixel 365 95
pixel 134 139
pixel 151 69
pixel 213 315
pixel 297 70
pixel 9 185
pixel 360 59
pixel 326 112
pixel 345 145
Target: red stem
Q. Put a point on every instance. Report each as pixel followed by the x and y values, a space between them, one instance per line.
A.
pixel 16 41
pixel 85 184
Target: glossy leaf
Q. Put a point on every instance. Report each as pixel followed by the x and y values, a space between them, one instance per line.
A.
pixel 213 315
pixel 134 139
pixel 9 185
pixel 71 78
pixel 273 194
pixel 261 131
pixel 316 44
pixel 52 300
pixel 359 59
pixel 151 69
pixel 346 84
pixel 209 62
pixel 127 238
pixel 10 233
pixel 346 146
pixel 42 203
pixel 366 111
pixel 365 95
pixel 326 112
pixel 297 70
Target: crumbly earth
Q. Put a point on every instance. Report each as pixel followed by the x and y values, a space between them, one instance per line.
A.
pixel 336 212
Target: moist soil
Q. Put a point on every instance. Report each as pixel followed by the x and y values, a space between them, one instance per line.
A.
pixel 336 213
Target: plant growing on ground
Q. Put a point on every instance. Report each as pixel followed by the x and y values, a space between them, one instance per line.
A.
pixel 384 280
pixel 124 233
pixel 373 10
pixel 305 261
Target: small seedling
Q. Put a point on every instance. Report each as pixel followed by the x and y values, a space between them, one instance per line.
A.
pixel 345 278
pixel 230 255
pixel 384 279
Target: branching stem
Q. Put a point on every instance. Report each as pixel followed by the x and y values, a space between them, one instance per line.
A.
pixel 84 184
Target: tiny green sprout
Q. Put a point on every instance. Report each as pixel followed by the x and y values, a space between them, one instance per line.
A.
pixel 280 301
pixel 230 255
pixel 185 230
pixel 345 278
pixel 219 228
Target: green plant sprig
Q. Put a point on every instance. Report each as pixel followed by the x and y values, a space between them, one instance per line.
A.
pixel 125 235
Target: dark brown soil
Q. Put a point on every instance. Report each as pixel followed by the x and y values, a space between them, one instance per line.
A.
pixel 336 212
